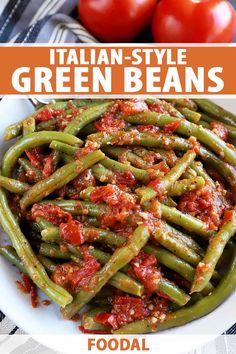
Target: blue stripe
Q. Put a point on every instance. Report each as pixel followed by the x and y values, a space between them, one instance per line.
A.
pixel 14 19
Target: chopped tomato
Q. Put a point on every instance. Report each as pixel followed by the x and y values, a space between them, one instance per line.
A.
pixel 144 267
pixel 156 184
pixel 71 232
pixel 27 287
pixel 119 203
pixel 125 310
pixel 48 114
pixel 220 129
pixel 228 216
pixel 84 180
pixel 48 168
pixel 33 295
pixel 111 121
pixel 206 204
pixel 134 106
pixel 64 119
pixel 171 127
pixel 90 147
pixel 73 276
pixel 50 212
pixel 125 178
pixel 156 107
pixel 35 156
pixel 147 128
pixel 112 195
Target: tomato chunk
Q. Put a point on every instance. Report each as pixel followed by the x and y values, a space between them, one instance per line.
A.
pixel 71 232
pixel 48 167
pixel 51 213
pixel 73 276
pixel 48 114
pixel 84 180
pixel 111 121
pixel 144 267
pixel 171 127
pixel 206 204
pixel 134 106
pixel 125 310
pixel 35 156
pixel 220 129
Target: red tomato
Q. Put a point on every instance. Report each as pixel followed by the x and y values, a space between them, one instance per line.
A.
pixel 191 21
pixel 116 21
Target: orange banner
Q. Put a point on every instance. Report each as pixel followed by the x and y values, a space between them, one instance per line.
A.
pixel 118 70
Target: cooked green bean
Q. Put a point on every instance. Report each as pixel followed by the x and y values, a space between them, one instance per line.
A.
pixel 186 185
pixel 28 126
pixel 13 185
pixel 86 117
pixel 30 141
pixel 10 254
pixel 214 251
pixel 148 193
pixel 59 178
pixel 119 259
pixel 186 128
pixel 115 165
pixel 188 314
pixel 33 267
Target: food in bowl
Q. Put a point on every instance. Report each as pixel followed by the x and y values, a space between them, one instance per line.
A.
pixel 125 205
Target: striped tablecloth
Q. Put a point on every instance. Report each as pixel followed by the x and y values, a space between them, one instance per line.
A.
pixel 47 21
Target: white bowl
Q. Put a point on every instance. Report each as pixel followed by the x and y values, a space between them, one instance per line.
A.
pixel 47 320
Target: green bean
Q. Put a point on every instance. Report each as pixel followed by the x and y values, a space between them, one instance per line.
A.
pixel 214 251
pixel 79 207
pixel 216 111
pixel 88 321
pixel 231 130
pixel 186 239
pixel 188 222
pixel 190 115
pixel 10 254
pixel 183 102
pixel 207 119
pixel 34 173
pixel 62 147
pixel 115 165
pixel 187 128
pixel 47 125
pixel 33 267
pixel 173 292
pixel 91 234
pixel 176 246
pixel 186 185
pixel 188 314
pixel 47 263
pixel 14 130
pixel 30 141
pixel 103 174
pixel 86 117
pixel 148 193
pixel 166 105
pixel 87 130
pixel 125 155
pixel 168 156
pixel 176 264
pixel 123 282
pixel 119 259
pixel 165 141
pixel 53 251
pixel 13 185
pixel 28 126
pixel 59 178
pixel 201 172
